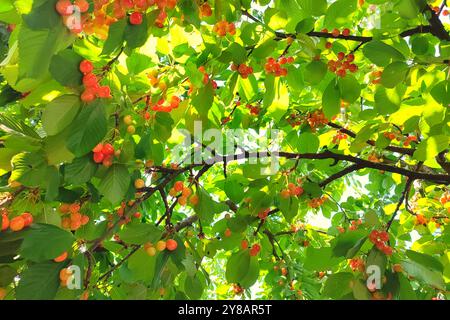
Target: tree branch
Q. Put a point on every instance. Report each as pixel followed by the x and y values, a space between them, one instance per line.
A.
pixel 340 174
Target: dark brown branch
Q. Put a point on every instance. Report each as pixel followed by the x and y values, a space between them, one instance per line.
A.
pixel 340 174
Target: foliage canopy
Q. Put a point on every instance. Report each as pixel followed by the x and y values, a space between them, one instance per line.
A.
pixel 349 99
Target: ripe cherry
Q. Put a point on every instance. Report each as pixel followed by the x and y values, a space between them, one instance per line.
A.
pixel 86 66
pixel 107 149
pixel 88 95
pixel 28 218
pixel 83 5
pixel 335 33
pixel 161 245
pixel 64 7
pixel 139 183
pixel 171 245
pixel 178 186
pixel 17 223
pixel 104 92
pixel 5 222
pixel 99 157
pixel 136 18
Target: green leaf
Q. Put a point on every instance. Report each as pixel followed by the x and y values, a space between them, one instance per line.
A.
pixel 39 281
pixel 320 259
pixel 360 291
pixel 193 287
pixel 387 101
pixel 80 170
pixel 202 99
pixel 7 275
pixel 64 68
pixel 425 260
pixel 308 143
pixel 315 71
pixel 136 35
pixel 394 73
pixel 348 244
pixel 59 113
pixel 277 101
pixel 429 148
pixel 242 269
pixel 420 272
pixel 350 89
pixel 115 183
pixel 45 242
pixel 441 92
pixel 115 37
pixel 340 12
pixel 87 129
pixel 381 53
pixel 377 258
pixel 331 99
pixel 338 285
pixel 140 233
pixel 313 7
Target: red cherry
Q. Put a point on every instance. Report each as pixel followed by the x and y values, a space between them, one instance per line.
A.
pixel 99 157
pixel 108 149
pixel 88 95
pixel 335 33
pixel 90 80
pixel 341 56
pixel 136 18
pixel 86 66
pixel 28 218
pixel 346 32
pixel 104 92
pixel 98 148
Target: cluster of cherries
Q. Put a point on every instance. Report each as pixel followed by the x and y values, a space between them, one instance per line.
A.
pixel 316 119
pixel 92 89
pixel 317 202
pixel 295 119
pixel 72 218
pixel 254 110
pixel 205 10
pixel 343 64
pixel 379 239
pixel 420 219
pixel 167 106
pixel 243 70
pixel 355 224
pixel 254 250
pixel 273 66
pixel 338 137
pixel 222 28
pixel 406 140
pixel 357 264
pixel 292 190
pixel 104 154
pixel 186 194
pixel 336 32
pixel 161 245
pixel 17 223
